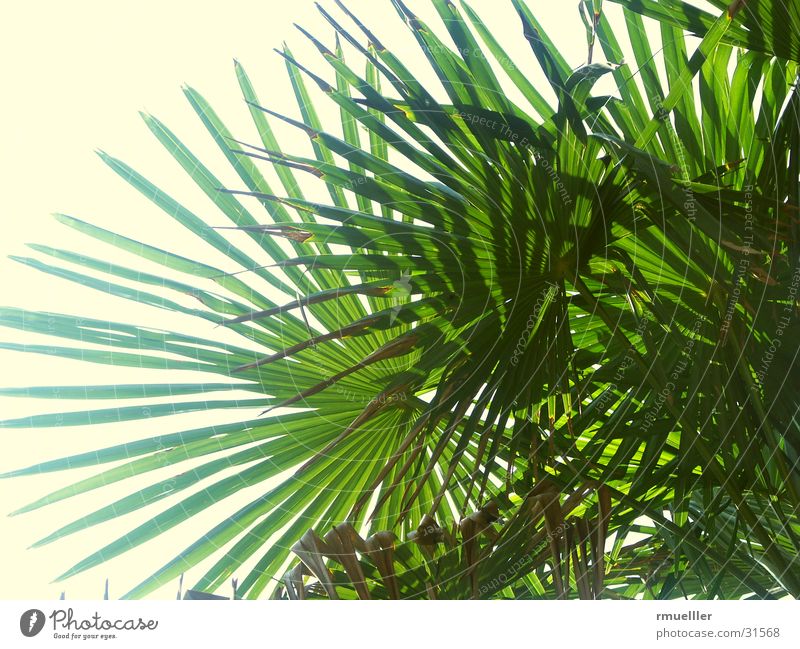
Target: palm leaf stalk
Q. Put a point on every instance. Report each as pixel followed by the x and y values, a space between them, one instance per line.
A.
pixel 533 347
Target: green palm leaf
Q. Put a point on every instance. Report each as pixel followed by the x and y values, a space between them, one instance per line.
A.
pixel 497 300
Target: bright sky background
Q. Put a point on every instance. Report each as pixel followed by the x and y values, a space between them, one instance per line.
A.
pixel 75 74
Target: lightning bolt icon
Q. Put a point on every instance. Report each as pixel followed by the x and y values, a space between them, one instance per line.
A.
pixel 32 621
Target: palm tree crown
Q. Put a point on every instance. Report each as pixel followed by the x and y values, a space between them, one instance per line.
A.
pixel 533 348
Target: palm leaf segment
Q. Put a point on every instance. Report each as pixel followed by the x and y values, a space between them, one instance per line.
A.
pixel 498 294
pixel 763 26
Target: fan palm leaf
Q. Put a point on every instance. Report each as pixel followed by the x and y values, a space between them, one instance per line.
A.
pixel 499 294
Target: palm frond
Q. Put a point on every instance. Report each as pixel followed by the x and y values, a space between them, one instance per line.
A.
pixel 497 298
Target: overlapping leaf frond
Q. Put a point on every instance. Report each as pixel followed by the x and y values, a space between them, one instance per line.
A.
pixel 767 26
pixel 499 294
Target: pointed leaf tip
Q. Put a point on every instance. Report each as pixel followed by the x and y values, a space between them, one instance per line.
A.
pixel 32 506
pixel 62 577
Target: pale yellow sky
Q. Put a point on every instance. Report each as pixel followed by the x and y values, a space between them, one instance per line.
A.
pixel 75 74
